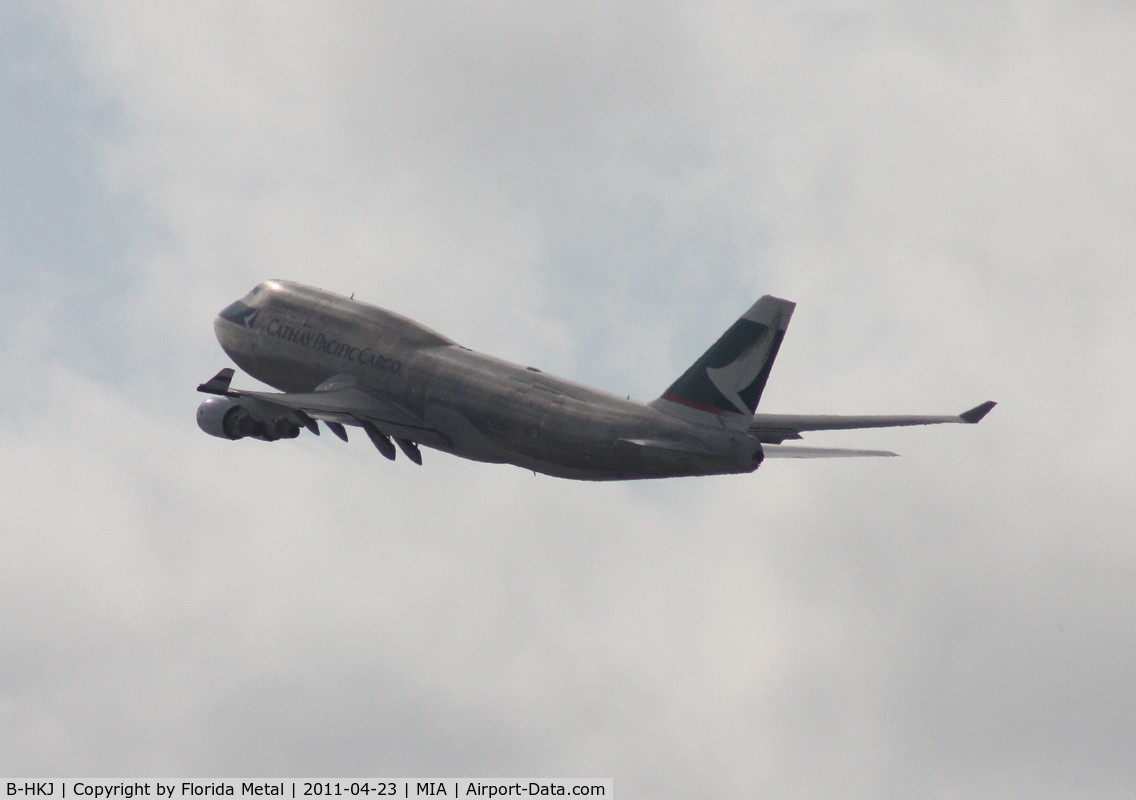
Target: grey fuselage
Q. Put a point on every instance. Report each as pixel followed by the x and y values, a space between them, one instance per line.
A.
pixel 296 338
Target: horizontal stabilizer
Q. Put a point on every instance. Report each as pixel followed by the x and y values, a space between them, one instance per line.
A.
pixel 793 451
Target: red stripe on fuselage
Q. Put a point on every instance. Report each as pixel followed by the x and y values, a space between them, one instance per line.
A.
pixel 682 401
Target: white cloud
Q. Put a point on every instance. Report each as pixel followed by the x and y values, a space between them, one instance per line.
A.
pixel 947 193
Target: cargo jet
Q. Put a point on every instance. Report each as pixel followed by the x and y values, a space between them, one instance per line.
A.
pixel 346 363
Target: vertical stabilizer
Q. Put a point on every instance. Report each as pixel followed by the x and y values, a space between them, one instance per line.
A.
pixel 726 383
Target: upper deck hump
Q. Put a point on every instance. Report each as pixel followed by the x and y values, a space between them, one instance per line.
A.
pixel 346 311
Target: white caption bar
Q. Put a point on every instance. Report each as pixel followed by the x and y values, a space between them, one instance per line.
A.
pixel 303 789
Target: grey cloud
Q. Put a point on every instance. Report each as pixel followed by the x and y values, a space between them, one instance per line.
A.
pixel 597 191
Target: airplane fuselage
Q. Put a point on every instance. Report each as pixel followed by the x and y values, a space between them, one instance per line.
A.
pixel 298 339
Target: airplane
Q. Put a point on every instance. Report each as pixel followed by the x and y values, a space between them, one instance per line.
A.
pixel 343 362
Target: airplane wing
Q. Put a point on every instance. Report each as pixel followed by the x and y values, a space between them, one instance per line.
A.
pixel 776 428
pixel 338 402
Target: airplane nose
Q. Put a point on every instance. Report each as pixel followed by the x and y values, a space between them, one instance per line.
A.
pixel 225 333
pixel 233 324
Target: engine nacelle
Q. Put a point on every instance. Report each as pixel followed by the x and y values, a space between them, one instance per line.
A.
pixel 227 418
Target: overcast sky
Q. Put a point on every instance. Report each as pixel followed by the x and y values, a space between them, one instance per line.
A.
pixel 597 189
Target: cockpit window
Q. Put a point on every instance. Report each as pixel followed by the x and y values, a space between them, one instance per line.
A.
pixel 239 313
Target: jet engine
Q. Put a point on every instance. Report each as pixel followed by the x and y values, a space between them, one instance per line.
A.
pixel 227 418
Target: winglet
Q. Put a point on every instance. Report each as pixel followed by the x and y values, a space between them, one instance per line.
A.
pixel 219 383
pixel 977 413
